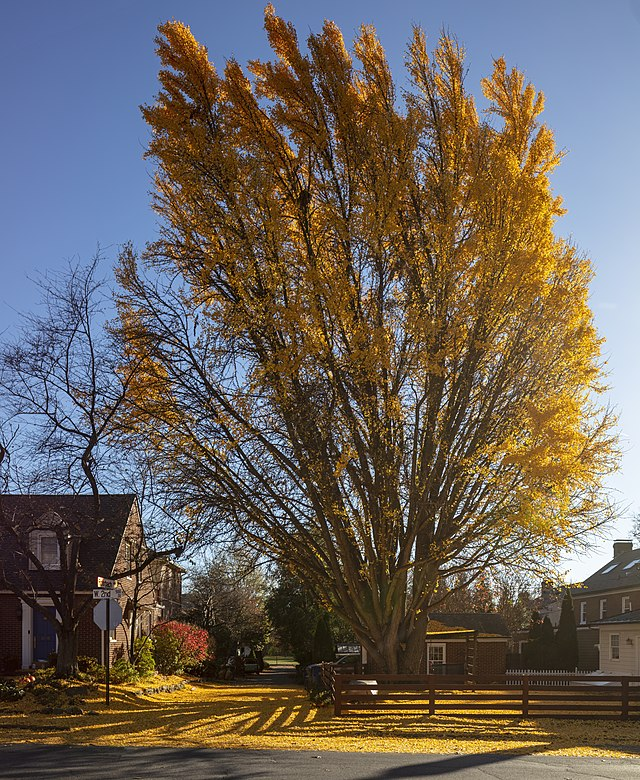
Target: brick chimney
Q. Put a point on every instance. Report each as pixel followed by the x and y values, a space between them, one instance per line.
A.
pixel 622 546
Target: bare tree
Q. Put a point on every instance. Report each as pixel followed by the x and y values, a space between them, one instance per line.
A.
pixel 62 390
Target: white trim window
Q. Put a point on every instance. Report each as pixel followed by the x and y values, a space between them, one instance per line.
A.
pixel 436 655
pixel 44 545
pixel 603 609
pixel 583 613
pixel 614 647
pixel 626 603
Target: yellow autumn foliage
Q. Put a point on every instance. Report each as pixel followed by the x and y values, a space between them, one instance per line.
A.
pixel 363 344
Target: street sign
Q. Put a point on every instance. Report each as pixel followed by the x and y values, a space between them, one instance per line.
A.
pixel 103 582
pixel 107 593
pixel 100 615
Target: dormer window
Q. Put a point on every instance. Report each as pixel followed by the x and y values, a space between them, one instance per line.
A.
pixel 44 545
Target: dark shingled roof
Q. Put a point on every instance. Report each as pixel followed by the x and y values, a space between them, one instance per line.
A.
pixel 619 572
pixel 488 623
pixel 625 617
pixel 100 538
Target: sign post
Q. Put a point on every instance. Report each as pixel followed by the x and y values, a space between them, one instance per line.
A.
pixel 107 650
pixel 107 615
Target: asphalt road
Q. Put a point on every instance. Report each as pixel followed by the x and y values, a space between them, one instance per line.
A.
pixel 25 762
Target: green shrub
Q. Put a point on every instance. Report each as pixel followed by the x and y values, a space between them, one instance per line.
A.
pixel 320 696
pixel 89 666
pixel 143 656
pixel 123 671
pixel 44 675
pixel 9 692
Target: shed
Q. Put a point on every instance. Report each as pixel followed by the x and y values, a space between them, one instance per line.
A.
pixel 466 642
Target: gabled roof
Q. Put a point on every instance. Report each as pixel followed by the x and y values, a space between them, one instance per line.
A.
pixel 485 623
pixel 101 538
pixel 625 617
pixel 623 571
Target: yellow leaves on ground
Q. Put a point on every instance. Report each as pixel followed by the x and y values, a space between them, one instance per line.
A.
pixel 249 715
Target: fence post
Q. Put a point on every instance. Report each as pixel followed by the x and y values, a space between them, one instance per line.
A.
pixel 525 696
pixel 337 694
pixel 625 699
pixel 432 697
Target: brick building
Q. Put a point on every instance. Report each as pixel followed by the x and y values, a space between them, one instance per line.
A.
pixel 37 538
pixel 476 643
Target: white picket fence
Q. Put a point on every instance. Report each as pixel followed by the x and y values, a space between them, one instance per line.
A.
pixel 550 677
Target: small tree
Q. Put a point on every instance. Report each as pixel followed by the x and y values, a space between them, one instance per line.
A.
pixel 548 646
pixel 567 635
pixel 323 644
pixel 294 612
pixel 227 598
pixel 531 651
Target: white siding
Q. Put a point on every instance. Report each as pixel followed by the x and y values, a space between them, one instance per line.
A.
pixel 628 663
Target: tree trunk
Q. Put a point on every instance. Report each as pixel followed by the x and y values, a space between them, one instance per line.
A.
pixel 133 627
pixel 67 660
pixel 401 651
pixel 412 650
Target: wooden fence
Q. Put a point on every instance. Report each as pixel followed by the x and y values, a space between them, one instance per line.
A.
pixel 579 695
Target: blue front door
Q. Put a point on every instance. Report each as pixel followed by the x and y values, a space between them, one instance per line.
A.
pixel 44 636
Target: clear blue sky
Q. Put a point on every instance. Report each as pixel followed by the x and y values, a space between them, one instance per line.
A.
pixel 72 139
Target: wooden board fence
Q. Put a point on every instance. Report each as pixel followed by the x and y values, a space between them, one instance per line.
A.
pixel 500 695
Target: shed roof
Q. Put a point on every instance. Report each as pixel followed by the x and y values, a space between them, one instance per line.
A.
pixel 485 623
pixel 625 617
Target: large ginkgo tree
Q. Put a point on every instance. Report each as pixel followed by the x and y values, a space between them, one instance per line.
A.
pixel 364 347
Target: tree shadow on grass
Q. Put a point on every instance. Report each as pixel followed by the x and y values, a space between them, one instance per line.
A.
pixel 211 716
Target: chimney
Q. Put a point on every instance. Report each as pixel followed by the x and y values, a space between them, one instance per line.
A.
pixel 622 546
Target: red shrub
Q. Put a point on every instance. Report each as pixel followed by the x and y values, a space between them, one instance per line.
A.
pixel 178 645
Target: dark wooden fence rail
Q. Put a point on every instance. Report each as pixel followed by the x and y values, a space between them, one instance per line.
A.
pixel 525 695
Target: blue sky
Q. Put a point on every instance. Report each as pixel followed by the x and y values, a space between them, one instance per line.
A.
pixel 72 139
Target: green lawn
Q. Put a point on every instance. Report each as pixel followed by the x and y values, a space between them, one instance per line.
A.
pixel 280 660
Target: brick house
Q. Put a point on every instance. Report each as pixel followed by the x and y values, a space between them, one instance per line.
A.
pixel 607 607
pixel 476 643
pixel 109 548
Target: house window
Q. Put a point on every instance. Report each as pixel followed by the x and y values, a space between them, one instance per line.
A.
pixel 436 656
pixel 633 563
pixel 583 612
pixel 609 568
pixel 614 646
pixel 44 545
pixel 626 603
pixel 603 609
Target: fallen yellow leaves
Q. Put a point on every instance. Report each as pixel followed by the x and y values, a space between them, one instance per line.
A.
pixel 253 716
